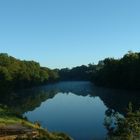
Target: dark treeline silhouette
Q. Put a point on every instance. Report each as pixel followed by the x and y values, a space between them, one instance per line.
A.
pixel 121 73
pixel 77 73
pixel 16 74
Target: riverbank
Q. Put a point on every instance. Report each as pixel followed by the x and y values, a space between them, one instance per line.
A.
pixel 13 127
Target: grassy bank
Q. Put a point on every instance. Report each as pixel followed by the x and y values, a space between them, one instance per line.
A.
pixel 14 127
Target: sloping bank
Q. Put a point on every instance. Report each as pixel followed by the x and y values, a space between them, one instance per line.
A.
pixel 14 127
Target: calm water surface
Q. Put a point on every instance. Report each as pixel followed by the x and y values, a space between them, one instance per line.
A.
pixel 76 108
pixel 72 110
pixel 80 117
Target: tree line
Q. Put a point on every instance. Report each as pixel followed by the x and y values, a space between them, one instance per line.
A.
pixel 121 73
pixel 82 72
pixel 16 74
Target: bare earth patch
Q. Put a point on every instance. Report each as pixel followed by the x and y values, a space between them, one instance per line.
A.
pixel 13 131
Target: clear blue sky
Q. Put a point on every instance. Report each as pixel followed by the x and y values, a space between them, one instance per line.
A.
pixel 66 33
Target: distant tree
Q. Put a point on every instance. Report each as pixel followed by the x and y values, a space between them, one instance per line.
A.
pixel 82 72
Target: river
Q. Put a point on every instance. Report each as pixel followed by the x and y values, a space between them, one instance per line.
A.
pixel 78 108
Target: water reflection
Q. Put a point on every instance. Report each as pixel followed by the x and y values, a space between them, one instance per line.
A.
pixel 77 108
pixel 26 100
pixel 80 117
pixel 29 99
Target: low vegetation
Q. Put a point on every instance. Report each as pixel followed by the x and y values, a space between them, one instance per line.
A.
pixel 14 127
pixel 123 128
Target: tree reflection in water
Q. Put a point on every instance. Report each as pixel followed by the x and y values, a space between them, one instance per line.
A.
pixel 115 100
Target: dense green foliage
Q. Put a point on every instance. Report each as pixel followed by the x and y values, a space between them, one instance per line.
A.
pixel 119 73
pixel 15 73
pixel 77 73
pixel 116 73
